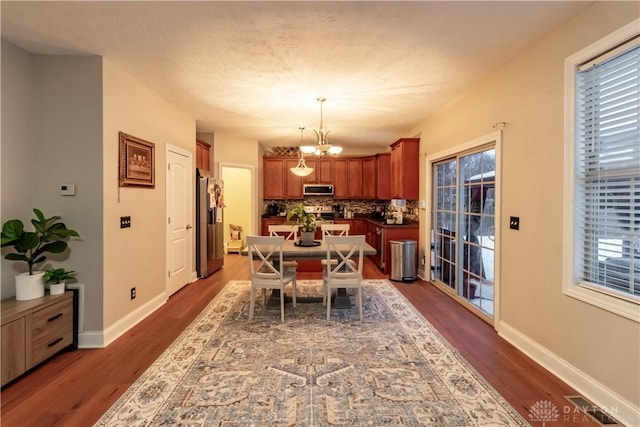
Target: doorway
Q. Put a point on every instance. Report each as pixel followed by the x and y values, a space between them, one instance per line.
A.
pixel 462 224
pixel 239 199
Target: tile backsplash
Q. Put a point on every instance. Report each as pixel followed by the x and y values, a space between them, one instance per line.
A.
pixel 355 206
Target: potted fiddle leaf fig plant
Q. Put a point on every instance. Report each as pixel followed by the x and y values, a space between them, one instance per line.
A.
pixel 307 222
pixel 49 236
pixel 57 277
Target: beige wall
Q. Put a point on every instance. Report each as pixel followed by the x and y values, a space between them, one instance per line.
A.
pixel 576 338
pixel 136 256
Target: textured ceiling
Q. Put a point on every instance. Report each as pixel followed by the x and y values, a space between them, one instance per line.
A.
pixel 255 69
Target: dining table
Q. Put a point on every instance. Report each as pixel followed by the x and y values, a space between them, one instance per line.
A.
pixel 294 251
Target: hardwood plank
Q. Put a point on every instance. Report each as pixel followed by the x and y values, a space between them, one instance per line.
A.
pixel 76 388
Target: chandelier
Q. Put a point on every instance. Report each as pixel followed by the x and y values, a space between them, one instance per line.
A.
pixel 322 146
pixel 301 169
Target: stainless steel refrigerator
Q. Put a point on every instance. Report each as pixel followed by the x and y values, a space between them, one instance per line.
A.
pixel 209 228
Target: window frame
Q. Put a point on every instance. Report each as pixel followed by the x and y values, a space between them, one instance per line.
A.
pixel 625 305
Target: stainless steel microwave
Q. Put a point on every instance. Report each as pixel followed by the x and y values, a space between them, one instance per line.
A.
pixel 317 190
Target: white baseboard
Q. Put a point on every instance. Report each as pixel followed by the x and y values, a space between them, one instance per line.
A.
pixel 101 339
pixel 607 400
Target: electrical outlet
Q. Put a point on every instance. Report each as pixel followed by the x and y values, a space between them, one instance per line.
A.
pixel 514 223
pixel 125 221
pixel 133 293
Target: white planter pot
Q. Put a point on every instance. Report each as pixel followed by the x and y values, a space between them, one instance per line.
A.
pixel 56 288
pixel 306 237
pixel 29 286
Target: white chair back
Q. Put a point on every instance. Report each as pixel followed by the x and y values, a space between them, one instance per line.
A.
pixel 345 249
pixel 263 251
pixel 335 230
pixel 289 232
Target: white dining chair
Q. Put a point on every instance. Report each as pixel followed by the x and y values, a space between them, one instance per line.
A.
pixel 289 232
pixel 347 271
pixel 267 274
pixel 333 230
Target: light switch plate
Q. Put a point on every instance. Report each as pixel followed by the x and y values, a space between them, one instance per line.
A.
pixel 68 190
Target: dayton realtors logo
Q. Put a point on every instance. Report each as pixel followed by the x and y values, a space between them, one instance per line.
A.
pixel 544 411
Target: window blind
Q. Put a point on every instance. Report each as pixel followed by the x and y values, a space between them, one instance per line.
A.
pixel 607 173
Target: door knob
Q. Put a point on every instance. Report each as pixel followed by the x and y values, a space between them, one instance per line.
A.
pixel 188 227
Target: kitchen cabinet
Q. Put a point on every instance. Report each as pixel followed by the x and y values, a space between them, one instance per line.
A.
pixel 35 330
pixel 340 175
pixel 322 171
pixel 379 235
pixel 202 155
pixel 374 236
pixel 273 178
pixel 383 176
pixel 274 220
pixel 405 168
pixel 355 178
pixel 356 226
pixel 369 177
pixel 292 183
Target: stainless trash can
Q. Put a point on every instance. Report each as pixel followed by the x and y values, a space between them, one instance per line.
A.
pixel 403 260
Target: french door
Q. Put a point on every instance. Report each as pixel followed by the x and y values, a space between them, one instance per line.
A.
pixel 463 225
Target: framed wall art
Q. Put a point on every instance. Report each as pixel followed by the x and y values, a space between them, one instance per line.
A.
pixel 137 162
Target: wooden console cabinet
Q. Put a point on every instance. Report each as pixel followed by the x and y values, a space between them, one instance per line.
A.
pixel 35 330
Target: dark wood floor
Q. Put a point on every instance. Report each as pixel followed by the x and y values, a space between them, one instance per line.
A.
pixel 76 388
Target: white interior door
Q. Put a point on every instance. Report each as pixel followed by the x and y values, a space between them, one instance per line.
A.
pixel 179 219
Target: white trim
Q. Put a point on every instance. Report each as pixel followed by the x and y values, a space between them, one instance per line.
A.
pixel 605 398
pixel 496 139
pixel 570 287
pixel 101 339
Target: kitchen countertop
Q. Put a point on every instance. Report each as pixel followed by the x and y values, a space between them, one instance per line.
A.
pixel 383 222
pixel 378 222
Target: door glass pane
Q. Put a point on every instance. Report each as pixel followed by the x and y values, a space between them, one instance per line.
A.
pixel 444 221
pixel 464 226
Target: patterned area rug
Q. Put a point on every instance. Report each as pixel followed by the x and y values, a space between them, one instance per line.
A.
pixel 391 369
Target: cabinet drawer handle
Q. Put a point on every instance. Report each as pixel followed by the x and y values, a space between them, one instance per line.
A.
pixel 51 319
pixel 54 342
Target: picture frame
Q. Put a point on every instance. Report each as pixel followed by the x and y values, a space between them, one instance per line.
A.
pixel 136 162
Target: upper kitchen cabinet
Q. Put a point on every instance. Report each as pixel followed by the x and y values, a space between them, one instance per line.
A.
pixel 322 170
pixel 405 168
pixel 340 180
pixel 273 178
pixel 202 155
pixel 369 177
pixel 383 175
pixel 292 183
pixel 355 178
